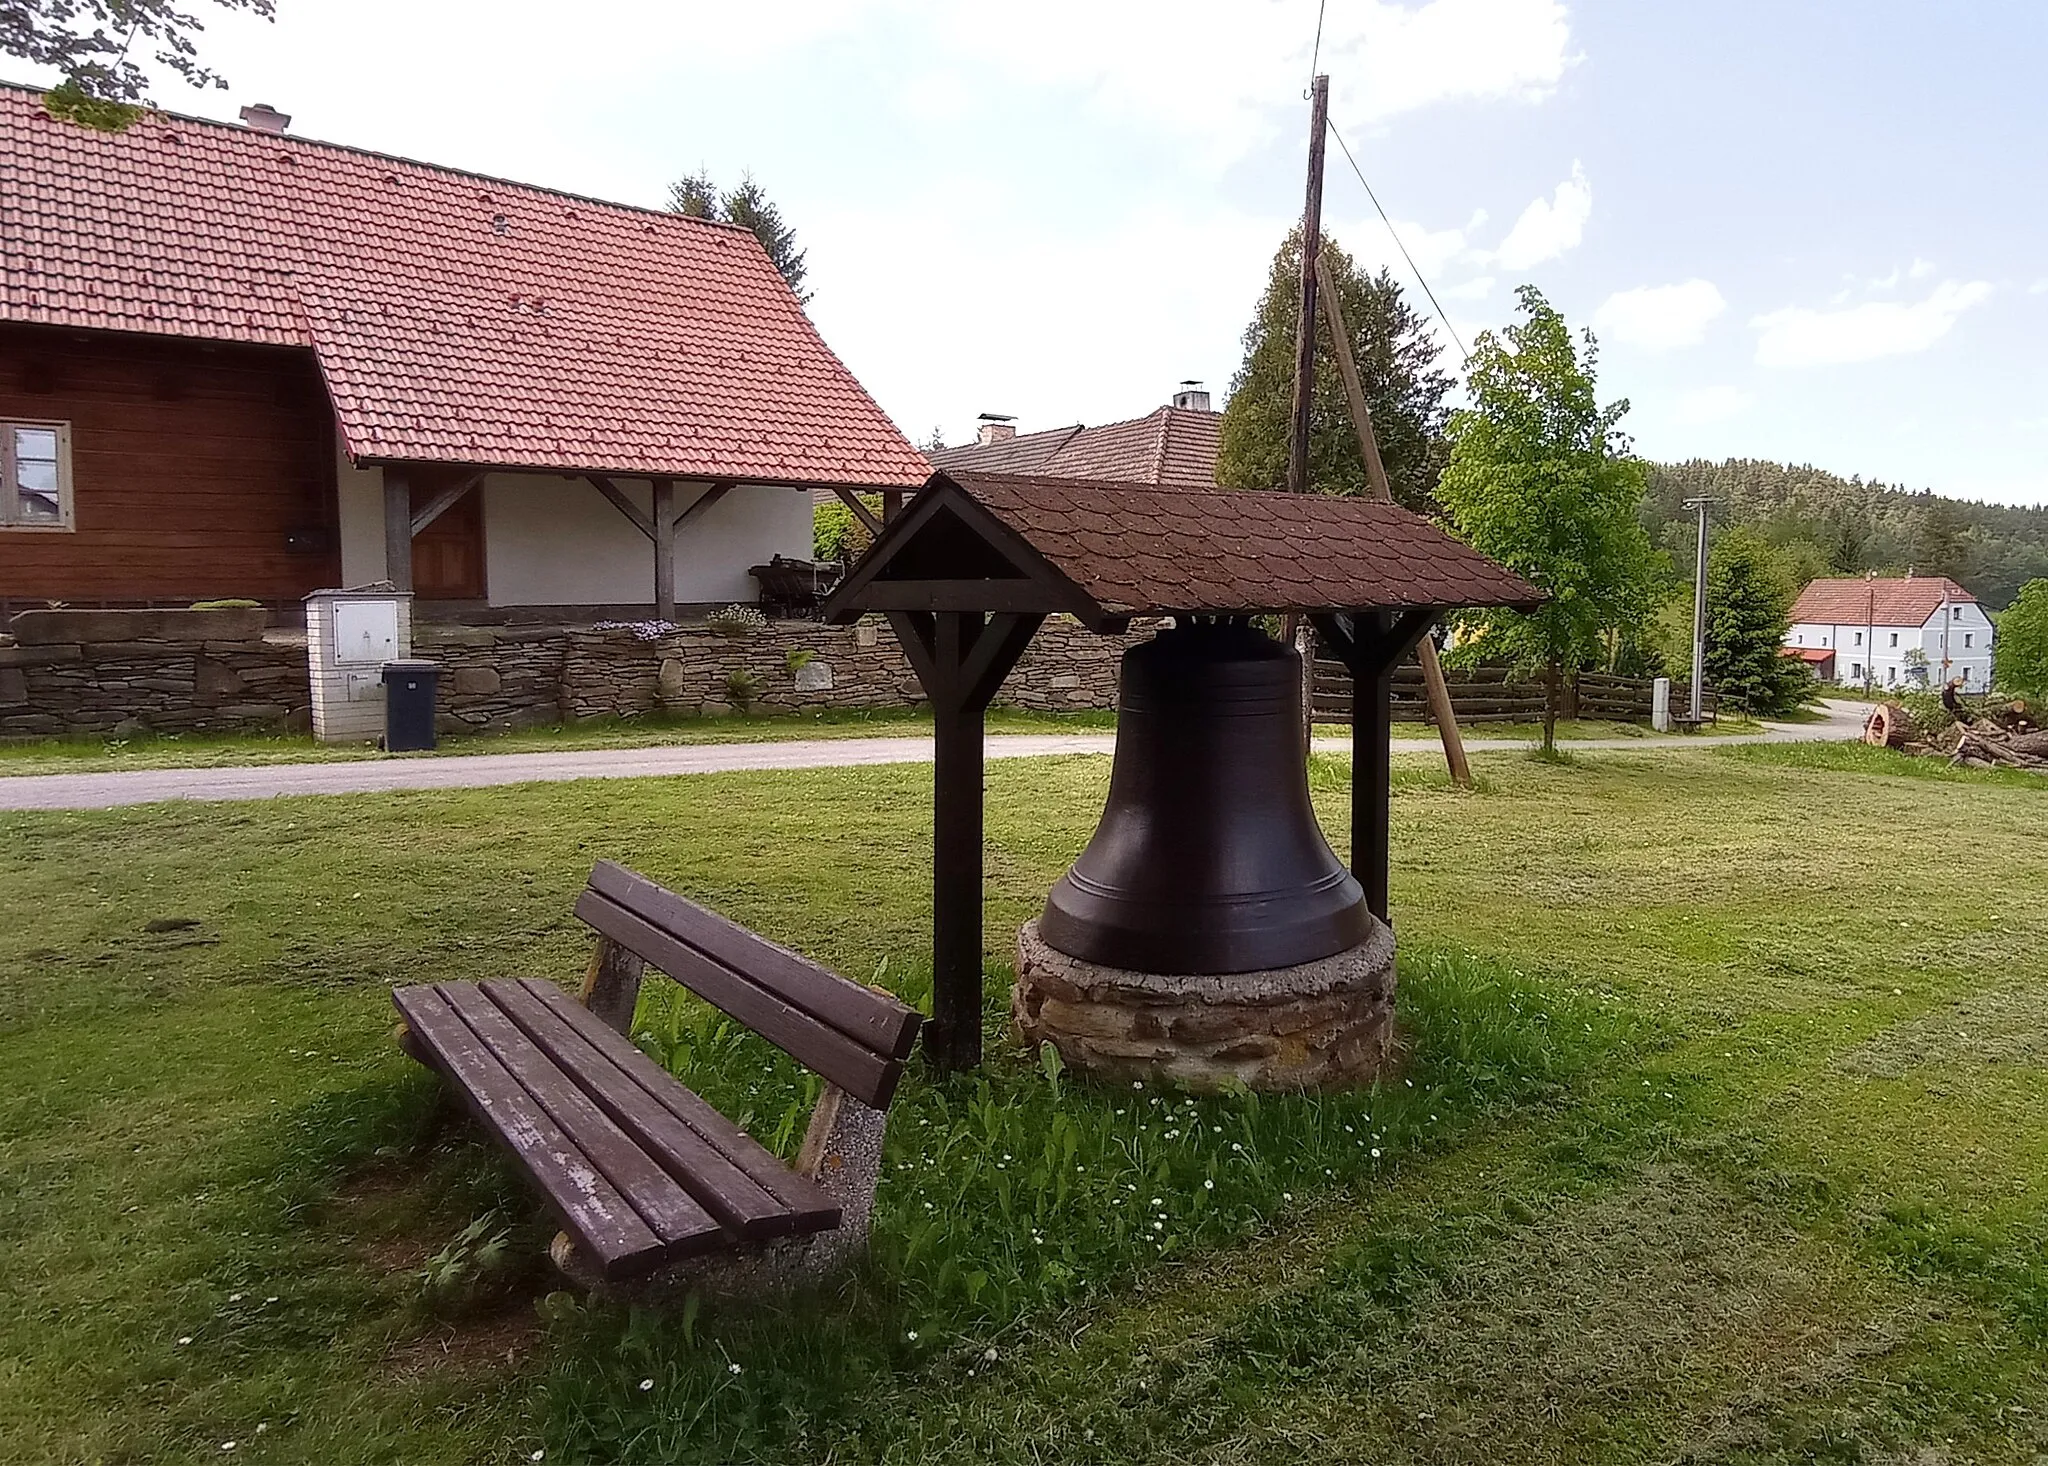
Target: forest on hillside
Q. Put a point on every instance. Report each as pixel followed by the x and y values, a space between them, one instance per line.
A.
pixel 1823 525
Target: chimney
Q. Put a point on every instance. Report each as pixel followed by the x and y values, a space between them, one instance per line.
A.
pixel 996 427
pixel 1192 396
pixel 265 118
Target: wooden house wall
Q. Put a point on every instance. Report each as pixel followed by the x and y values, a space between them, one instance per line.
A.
pixel 192 465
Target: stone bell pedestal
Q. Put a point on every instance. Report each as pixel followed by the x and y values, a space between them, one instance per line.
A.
pixel 1327 1024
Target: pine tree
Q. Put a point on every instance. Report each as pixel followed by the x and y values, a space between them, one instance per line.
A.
pixel 1404 388
pixel 1748 601
pixel 749 207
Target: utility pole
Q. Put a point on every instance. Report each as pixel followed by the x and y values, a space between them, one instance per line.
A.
pixel 1298 633
pixel 1305 320
pixel 1699 615
pixel 1433 685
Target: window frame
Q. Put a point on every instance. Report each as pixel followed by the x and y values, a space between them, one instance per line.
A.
pixel 67 515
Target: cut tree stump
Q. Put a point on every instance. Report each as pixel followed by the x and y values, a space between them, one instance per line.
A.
pixel 1888 726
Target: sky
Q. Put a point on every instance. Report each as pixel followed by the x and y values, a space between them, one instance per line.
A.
pixel 1800 230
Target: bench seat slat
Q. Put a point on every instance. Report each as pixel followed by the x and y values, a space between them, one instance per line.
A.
pixel 630 1094
pixel 846 1062
pixel 875 1020
pixel 670 1211
pixel 811 1208
pixel 590 1205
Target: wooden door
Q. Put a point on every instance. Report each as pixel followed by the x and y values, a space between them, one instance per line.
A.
pixel 448 555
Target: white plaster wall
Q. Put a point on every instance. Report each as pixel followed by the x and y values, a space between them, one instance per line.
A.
pixel 361 492
pixel 1887 663
pixel 558 542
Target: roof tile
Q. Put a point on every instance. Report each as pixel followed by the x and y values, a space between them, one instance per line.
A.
pixel 456 318
pixel 1210 551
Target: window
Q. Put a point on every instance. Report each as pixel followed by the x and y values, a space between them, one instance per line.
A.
pixel 1859 639
pixel 1895 638
pixel 35 475
pixel 1891 676
pixel 1855 671
pixel 1955 613
pixel 1969 638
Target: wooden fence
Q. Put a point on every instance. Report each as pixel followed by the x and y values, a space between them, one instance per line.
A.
pixel 1495 695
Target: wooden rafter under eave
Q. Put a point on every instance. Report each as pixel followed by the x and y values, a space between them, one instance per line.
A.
pixel 1037 587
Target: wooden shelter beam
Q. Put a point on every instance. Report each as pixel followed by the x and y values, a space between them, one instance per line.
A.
pixel 398 528
pixel 703 503
pixel 960 658
pixel 620 502
pixel 442 502
pixel 860 510
pixel 1371 645
pixel 662 514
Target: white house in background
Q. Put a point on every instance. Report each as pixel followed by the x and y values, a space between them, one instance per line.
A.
pixel 1922 630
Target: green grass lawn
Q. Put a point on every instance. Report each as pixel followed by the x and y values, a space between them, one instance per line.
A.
pixel 1723 1137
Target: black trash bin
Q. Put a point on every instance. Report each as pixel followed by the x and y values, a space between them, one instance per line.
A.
pixel 409 689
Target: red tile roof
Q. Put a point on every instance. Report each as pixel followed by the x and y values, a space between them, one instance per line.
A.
pixel 1819 656
pixel 456 318
pixel 1137 550
pixel 1173 447
pixel 1901 601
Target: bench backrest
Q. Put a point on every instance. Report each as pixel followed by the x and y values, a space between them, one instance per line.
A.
pixel 851 1036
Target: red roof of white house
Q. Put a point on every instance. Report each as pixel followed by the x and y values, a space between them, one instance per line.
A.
pixel 1900 601
pixel 456 318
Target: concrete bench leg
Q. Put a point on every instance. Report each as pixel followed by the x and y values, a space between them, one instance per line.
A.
pixel 842 1152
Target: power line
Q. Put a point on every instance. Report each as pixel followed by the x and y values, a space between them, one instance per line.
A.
pixel 1359 173
pixel 1315 55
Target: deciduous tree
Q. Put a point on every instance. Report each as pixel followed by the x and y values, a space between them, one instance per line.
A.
pixel 1404 388
pixel 1541 478
pixel 2021 650
pixel 94 43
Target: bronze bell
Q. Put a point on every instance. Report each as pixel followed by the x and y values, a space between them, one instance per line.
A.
pixel 1208 858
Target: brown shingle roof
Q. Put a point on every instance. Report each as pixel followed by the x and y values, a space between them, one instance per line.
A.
pixel 1897 601
pixel 1108 551
pixel 1173 447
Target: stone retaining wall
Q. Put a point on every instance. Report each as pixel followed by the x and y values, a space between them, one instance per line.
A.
pixel 495 678
pixel 120 689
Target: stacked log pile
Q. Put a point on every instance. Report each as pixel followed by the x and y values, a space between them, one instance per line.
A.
pixel 1995 735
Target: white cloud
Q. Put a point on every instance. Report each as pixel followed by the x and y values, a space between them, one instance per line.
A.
pixel 1477 289
pixel 1660 317
pixel 1210 71
pixel 1712 404
pixel 1919 270
pixel 1548 227
pixel 1800 336
pixel 2039 287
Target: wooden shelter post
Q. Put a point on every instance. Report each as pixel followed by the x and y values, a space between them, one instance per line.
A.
pixel 398 528
pixel 664 517
pixel 1371 645
pixel 960 658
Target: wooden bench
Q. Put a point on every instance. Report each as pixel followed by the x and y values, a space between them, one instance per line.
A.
pixel 646 1177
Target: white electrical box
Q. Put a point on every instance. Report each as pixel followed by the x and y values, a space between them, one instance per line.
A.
pixel 366 633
